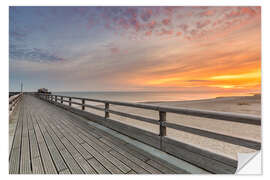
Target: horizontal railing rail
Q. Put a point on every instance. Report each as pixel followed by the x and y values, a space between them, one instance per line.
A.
pixel 225 116
pixel 13 100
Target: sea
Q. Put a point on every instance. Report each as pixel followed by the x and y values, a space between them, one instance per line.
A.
pixel 144 96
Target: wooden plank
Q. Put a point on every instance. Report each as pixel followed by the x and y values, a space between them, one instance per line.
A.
pixel 66 171
pixel 112 159
pixel 47 160
pixel 82 134
pixel 76 145
pixel 14 158
pixel 48 164
pixel 80 163
pixel 14 162
pixel 33 145
pixel 131 172
pixel 161 168
pixel 97 166
pixel 71 163
pixel 100 147
pixel 37 165
pixel 127 147
pixel 25 163
pixel 55 154
pixel 78 158
pixel 132 158
pixel 129 163
pixel 83 125
pixel 73 151
pixel 13 122
pixel 107 164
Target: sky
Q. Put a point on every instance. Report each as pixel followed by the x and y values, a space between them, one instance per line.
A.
pixel 188 49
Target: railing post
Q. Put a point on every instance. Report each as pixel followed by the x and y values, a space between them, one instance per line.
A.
pixel 83 102
pixel 55 98
pixel 62 100
pixel 162 128
pixel 69 101
pixel 107 105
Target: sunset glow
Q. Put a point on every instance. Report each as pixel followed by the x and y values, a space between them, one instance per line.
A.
pixel 193 49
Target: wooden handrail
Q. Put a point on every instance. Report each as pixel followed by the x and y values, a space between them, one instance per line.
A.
pixel 13 100
pixel 234 117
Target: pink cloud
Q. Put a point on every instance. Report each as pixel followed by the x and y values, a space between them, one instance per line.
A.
pixel 166 21
pixel 233 13
pixel 178 33
pixel 184 27
pixel 201 24
pixel 166 32
pixel 151 24
pixel 248 10
pixel 209 12
pixel 148 33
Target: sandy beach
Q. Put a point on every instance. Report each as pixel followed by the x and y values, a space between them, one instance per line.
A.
pixel 237 104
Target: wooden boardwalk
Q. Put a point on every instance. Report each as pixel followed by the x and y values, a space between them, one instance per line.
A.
pixel 50 140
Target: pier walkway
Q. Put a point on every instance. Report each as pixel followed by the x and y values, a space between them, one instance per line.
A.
pixel 50 140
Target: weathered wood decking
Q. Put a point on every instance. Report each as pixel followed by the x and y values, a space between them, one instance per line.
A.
pixel 48 140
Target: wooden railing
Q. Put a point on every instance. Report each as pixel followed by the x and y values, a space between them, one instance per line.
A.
pixel 163 124
pixel 13 100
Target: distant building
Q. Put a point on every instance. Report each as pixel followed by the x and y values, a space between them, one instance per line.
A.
pixel 43 90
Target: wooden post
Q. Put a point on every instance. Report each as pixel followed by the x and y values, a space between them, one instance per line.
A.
pixel 62 100
pixel 107 115
pixel 83 102
pixel 55 98
pixel 69 102
pixel 162 128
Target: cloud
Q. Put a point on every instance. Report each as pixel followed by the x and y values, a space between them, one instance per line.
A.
pixel 166 22
pixel 202 24
pixel 178 33
pixel 166 32
pixel 34 54
pixel 148 33
pixel 210 12
pixel 146 14
pixel 80 57
pixel 114 49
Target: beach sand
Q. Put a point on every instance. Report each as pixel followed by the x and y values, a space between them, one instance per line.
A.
pixel 237 104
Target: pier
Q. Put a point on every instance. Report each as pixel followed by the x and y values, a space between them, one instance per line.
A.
pixel 48 135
